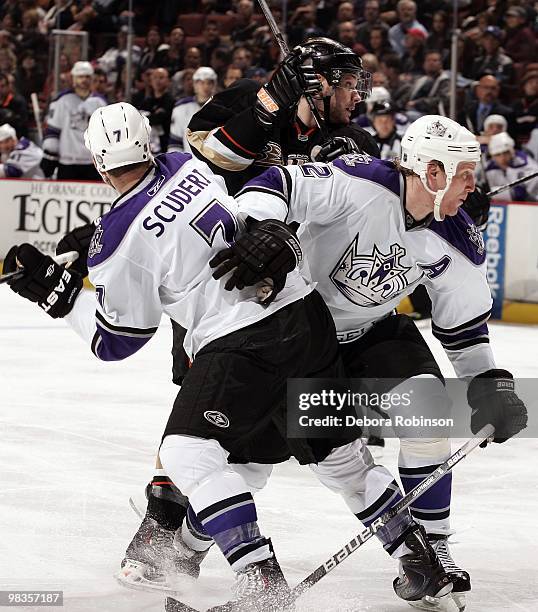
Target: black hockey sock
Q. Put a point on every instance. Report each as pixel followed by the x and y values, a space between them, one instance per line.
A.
pixel 166 504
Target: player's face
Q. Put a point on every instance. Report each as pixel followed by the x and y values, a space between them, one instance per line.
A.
pixel 7 145
pixel 204 89
pixel 344 100
pixel 463 183
pixel 82 83
pixel 383 125
pixel 503 159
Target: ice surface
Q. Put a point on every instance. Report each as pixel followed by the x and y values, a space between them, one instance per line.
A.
pixel 78 438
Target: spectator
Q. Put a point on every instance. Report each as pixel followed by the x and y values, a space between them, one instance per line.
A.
pixel 100 85
pixel 257 74
pixel 31 39
pixel 60 15
pixel 193 58
pixel 526 107
pixel 173 58
pixel 429 94
pixel 8 61
pixel 520 41
pixel 29 76
pixel 242 58
pixel 344 13
pixel 508 164
pixel 493 60
pixel 371 20
pixel 302 23
pixel 212 40
pixel 143 86
pixel 407 11
pixel 413 58
pixel 346 35
pixel 398 86
pixel 20 158
pixel 67 119
pixel 150 53
pixel 245 25
pixel 13 108
pixel 370 63
pixel 114 59
pixel 232 74
pixel 486 103
pixel 158 108
pixel 182 84
pixel 439 38
pixel 379 42
pixel 220 60
pixel 205 83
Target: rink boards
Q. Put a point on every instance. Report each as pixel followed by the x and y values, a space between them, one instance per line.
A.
pixel 41 212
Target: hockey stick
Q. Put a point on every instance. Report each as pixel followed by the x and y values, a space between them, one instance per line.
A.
pixel 484 434
pixel 512 184
pixel 284 49
pixel 64 258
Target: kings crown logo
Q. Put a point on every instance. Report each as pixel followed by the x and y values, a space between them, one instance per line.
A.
pixel 436 129
pixel 370 280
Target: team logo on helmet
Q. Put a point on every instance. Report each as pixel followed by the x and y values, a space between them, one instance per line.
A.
pixel 436 129
pixel 370 280
pixel 337 75
pixel 217 418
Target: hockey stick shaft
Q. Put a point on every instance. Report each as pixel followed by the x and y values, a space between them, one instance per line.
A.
pixel 512 184
pixel 354 544
pixel 284 49
pixel 64 258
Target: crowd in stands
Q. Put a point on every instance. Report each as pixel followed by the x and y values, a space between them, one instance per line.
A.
pixel 405 44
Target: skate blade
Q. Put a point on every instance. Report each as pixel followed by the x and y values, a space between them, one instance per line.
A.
pixel 460 600
pixel 137 582
pixel 436 604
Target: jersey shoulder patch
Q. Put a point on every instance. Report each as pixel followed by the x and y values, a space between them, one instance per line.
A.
pixel 361 166
pixel 23 143
pixel 115 224
pixel 462 234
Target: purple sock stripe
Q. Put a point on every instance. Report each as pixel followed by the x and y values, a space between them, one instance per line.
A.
pixel 438 497
pixel 194 524
pixel 233 517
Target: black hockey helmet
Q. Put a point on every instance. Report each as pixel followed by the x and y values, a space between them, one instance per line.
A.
pixel 382 108
pixel 332 60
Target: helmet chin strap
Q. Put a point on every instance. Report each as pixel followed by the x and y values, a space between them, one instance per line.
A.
pixel 438 195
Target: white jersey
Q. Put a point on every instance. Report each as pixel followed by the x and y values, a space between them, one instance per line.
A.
pixel 149 256
pixel 67 119
pixel 181 116
pixel 364 259
pixel 23 162
pixel 521 165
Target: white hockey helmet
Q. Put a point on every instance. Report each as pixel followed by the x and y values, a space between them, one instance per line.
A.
pixel 437 138
pixel 204 73
pixel 118 135
pixel 7 131
pixel 82 69
pixel 499 143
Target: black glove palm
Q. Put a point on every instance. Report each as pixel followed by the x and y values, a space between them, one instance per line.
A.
pixel 43 281
pixel 493 400
pixel 268 250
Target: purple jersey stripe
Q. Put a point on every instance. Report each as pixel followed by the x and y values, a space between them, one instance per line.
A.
pixel 108 346
pixel 12 171
pixel 468 334
pixel 379 171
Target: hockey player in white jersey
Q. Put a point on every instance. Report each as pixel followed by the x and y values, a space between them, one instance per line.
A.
pixel 507 165
pixel 67 118
pixel 204 83
pixel 148 256
pixel 20 158
pixel 372 231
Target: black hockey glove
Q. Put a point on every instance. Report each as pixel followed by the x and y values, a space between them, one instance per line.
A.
pixel 269 249
pixel 78 240
pixel 289 82
pixel 477 205
pixel 493 400
pixel 333 148
pixel 54 288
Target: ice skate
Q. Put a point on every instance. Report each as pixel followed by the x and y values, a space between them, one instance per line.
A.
pixel 459 578
pixel 260 587
pixel 157 559
pixel 422 581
